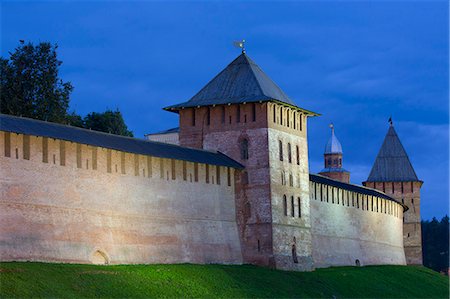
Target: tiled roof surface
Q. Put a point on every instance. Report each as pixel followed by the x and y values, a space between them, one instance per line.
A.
pixel 241 81
pixel 392 163
pixel 34 127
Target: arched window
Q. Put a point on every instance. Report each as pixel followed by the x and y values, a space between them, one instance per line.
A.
pixel 287 117
pixel 280 149
pixel 301 121
pixel 244 149
pixel 289 153
pixel 292 207
pixel 285 205
pixel 283 178
pixel 295 120
pixel 291 180
pixel 298 155
pixel 329 162
pixel 274 113
pixel 281 115
pixel 299 207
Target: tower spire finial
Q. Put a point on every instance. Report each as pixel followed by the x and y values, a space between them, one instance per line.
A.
pixel 332 128
pixel 240 44
pixel 391 123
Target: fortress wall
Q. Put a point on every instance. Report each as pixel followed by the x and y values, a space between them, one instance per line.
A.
pixel 291 223
pixel 409 194
pixel 225 132
pixel 77 203
pixel 348 226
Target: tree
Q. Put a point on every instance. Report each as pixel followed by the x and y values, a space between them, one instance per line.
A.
pixel 108 121
pixel 30 83
pixel 435 240
pixel 30 86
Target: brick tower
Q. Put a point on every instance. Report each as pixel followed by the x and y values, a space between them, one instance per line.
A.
pixel 393 174
pixel 242 113
pixel 333 160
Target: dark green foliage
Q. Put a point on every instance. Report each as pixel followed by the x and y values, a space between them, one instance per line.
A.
pixel 435 240
pixel 30 87
pixel 108 121
pixel 217 281
pixel 30 84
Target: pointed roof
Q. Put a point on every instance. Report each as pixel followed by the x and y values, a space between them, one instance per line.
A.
pixel 333 145
pixel 392 163
pixel 242 81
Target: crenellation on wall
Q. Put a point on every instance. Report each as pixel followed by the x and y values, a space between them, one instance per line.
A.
pixel 161 214
pixel 355 230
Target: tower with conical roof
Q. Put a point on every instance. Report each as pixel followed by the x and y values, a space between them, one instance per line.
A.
pixel 242 113
pixel 394 174
pixel 333 160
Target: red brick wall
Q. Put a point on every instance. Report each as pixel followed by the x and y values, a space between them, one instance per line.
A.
pixel 224 133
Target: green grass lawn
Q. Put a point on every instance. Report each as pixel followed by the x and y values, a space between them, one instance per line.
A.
pixel 186 280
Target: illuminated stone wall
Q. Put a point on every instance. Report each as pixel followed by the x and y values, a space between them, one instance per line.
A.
pixel 289 181
pixel 349 227
pixel 85 204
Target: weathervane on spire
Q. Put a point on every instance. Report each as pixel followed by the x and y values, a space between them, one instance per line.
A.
pixel 240 44
pixel 390 121
pixel 332 128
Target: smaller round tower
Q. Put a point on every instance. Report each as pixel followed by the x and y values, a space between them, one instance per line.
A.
pixel 333 160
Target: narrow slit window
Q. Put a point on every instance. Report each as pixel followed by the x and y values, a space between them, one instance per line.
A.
pixel 45 151
pixel 193 116
pixel 223 114
pixel 26 147
pixel 108 160
pixel 94 158
pixel 207 173
pixel 285 209
pixel 289 153
pixel 62 153
pixel 288 113
pixel 274 113
pixel 161 168
pixel 292 207
pixel 196 172
pixel 78 155
pixel 218 174
pixel 149 166
pixel 299 206
pixel 244 149
pixel 8 144
pixel 301 122
pixel 253 112
pixel 280 149
pixel 136 164
pixel 228 176
pixel 238 113
pixel 208 116
pixel 295 120
pixel 174 173
pixel 281 115
pixel 122 163
pixel 184 170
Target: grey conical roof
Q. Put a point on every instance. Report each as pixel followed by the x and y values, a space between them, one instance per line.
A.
pixel 392 163
pixel 241 81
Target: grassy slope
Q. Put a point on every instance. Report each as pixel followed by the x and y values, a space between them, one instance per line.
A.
pixel 65 280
